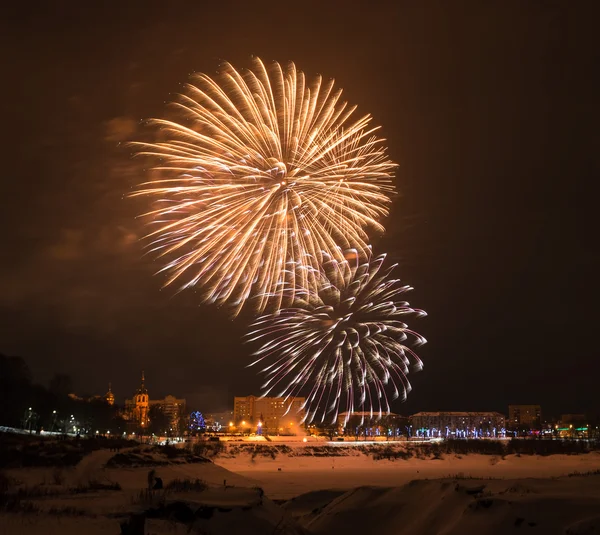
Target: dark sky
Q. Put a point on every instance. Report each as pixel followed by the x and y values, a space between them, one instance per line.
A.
pixel 490 109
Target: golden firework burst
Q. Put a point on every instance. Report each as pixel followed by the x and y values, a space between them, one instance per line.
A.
pixel 264 177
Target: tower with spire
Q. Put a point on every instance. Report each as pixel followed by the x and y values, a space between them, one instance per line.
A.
pixel 109 396
pixel 141 403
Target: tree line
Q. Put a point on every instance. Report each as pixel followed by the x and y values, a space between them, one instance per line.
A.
pixel 25 404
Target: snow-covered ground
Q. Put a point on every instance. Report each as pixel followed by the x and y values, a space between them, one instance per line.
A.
pixel 92 468
pixel 236 504
pixel 326 495
pixel 286 477
pixel 568 506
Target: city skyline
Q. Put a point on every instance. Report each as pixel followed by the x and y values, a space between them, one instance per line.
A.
pixel 510 410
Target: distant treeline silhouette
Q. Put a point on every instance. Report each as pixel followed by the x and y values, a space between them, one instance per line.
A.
pixel 24 404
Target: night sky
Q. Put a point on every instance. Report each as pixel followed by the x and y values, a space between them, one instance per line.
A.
pixel 491 113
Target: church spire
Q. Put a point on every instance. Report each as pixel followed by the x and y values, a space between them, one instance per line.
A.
pixel 142 388
pixel 109 396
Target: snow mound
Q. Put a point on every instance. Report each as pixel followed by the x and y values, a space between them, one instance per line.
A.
pixel 589 526
pixel 311 503
pixel 453 507
pixel 225 512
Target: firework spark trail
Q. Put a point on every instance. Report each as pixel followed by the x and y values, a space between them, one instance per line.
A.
pixel 265 177
pixel 345 344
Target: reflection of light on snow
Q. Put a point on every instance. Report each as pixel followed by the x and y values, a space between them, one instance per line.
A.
pixel 352 442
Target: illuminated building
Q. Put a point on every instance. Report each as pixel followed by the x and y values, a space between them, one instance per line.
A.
pixel 218 421
pixel 367 415
pixel 272 413
pixel 137 409
pixel 524 417
pixel 109 396
pixel 458 424
pixel 577 420
pixel 373 425
pixel 243 409
pixel 573 426
pixel 172 407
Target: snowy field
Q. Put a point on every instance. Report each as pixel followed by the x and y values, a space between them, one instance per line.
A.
pixel 286 477
pixel 304 495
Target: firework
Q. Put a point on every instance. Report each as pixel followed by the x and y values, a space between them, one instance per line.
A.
pixel 344 345
pixel 264 177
